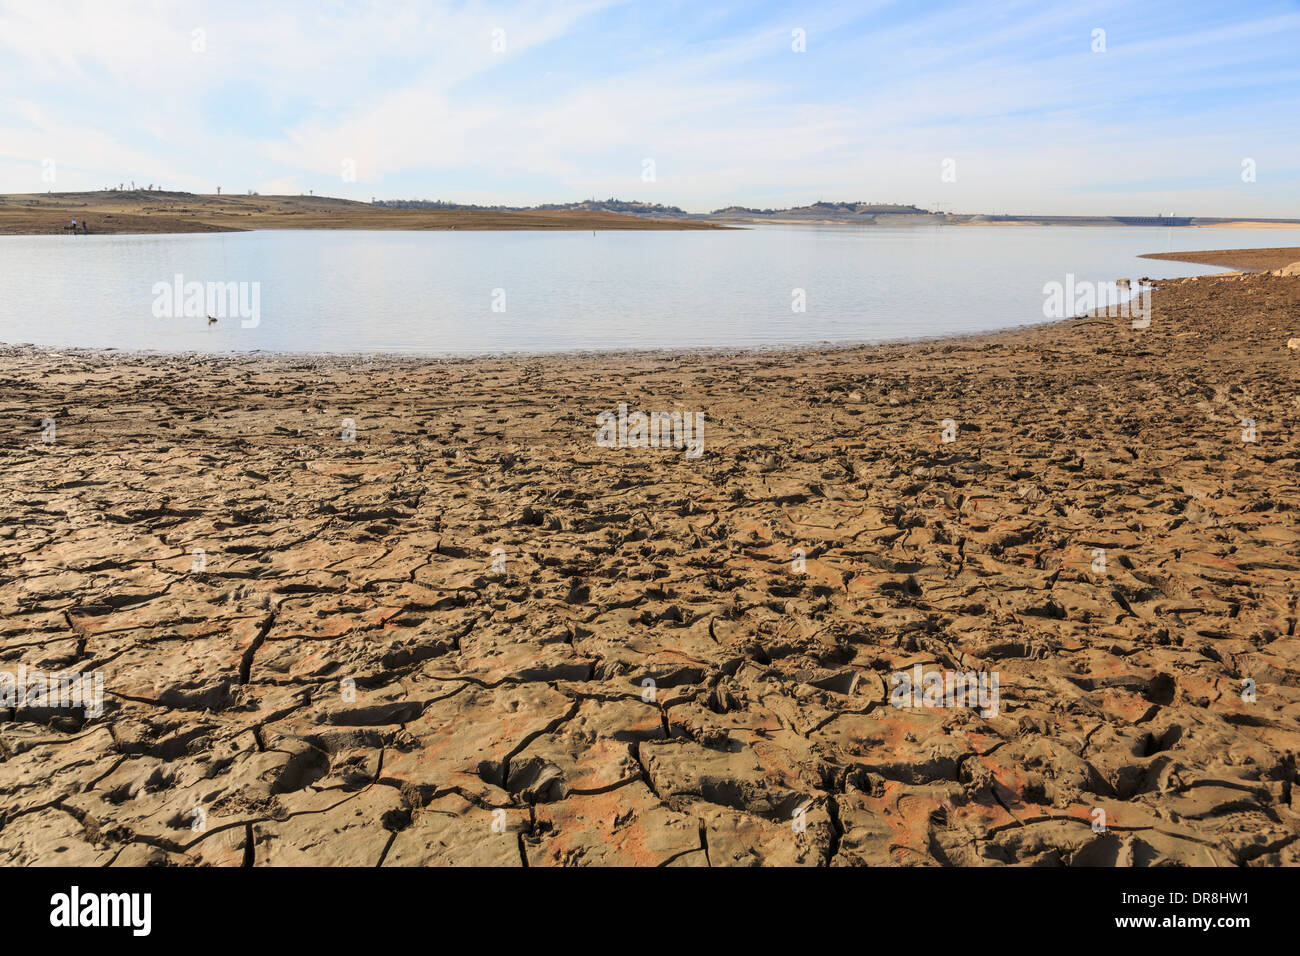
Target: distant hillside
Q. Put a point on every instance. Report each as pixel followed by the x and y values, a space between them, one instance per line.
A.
pixel 847 211
pixel 624 207
pixel 821 211
pixel 111 211
pixel 108 211
pixel 619 206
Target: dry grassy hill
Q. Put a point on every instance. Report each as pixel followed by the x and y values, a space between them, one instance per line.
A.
pixel 158 212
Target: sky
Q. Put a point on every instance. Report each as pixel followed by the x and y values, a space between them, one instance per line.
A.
pixel 1108 108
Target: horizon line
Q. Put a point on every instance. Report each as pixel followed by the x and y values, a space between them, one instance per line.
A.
pixel 453 204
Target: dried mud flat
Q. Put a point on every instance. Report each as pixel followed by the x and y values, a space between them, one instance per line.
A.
pixel 523 692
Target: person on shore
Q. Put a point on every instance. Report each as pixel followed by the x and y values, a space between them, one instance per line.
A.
pixel 74 227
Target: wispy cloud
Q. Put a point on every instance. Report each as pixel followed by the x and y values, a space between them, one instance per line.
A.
pixel 529 101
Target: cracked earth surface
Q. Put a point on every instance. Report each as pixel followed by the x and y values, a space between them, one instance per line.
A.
pixel 503 718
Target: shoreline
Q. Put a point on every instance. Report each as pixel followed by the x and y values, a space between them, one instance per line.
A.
pixel 416 357
pixel 1250 260
pixel 457 601
pixel 146 212
pixel 1246 260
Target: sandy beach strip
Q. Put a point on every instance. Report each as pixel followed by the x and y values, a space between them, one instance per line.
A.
pixel 353 611
pixel 1246 224
pixel 1247 260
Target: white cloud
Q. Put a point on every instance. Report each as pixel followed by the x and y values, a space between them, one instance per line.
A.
pixel 415 97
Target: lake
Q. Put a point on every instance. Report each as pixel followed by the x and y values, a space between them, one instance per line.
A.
pixel 464 292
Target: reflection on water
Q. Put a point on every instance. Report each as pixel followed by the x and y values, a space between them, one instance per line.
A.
pixel 469 292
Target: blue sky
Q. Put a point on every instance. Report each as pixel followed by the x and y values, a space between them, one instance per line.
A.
pixel 412 100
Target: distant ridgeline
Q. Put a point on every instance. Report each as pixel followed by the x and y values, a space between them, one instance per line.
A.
pixel 859 213
pixel 1093 220
pixel 829 209
pixel 818 210
pixel 626 208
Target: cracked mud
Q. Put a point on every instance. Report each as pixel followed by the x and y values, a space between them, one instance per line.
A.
pixel 352 677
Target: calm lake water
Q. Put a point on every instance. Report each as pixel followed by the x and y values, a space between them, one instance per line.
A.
pixel 472 292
